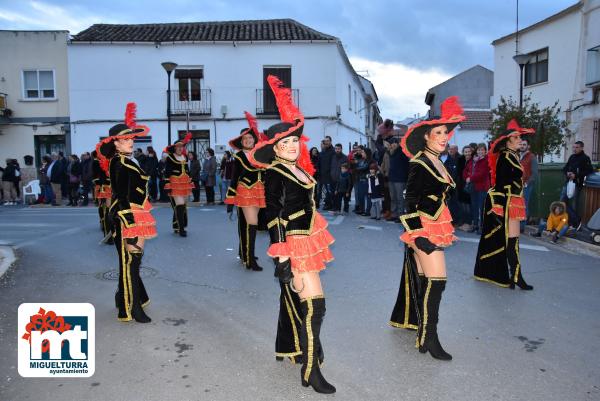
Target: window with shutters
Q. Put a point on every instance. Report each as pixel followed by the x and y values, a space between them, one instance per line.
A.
pixel 38 85
pixel 536 69
pixel 189 83
pixel 265 100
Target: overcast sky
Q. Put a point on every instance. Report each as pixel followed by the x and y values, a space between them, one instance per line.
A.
pixel 407 46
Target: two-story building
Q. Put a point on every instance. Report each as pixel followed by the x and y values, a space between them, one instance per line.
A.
pixel 34 94
pixel 221 72
pixel 563 67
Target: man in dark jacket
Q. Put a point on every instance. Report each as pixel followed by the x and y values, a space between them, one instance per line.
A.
pixel 151 168
pixel 325 158
pixel 10 178
pixel 577 168
pixel 397 176
pixel 64 179
pixel 56 173
pixel 450 160
pixel 337 160
pixel 86 177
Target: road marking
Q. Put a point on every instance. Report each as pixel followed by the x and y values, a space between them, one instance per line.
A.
pixel 338 220
pixel 55 234
pixel 26 225
pixel 374 228
pixel 521 246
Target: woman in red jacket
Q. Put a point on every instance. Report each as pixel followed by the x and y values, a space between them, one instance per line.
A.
pixel 477 178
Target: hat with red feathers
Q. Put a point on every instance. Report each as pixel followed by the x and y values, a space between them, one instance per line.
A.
pixel 452 114
pixel 182 141
pixel 512 129
pixel 236 143
pixel 127 130
pixel 292 124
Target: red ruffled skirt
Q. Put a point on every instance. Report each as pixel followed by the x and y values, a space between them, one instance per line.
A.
pixel 308 253
pixel 516 208
pixel 246 197
pixel 145 225
pixel 180 185
pixel 102 192
pixel 440 231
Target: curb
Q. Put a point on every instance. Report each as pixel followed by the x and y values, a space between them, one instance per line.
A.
pixel 7 258
pixel 568 244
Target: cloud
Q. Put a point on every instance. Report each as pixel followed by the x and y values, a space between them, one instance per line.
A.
pixel 401 88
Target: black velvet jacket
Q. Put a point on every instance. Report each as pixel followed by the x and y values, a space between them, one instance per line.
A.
pixel 426 192
pixel 290 203
pixel 174 167
pixel 129 185
pixel 243 174
pixel 99 177
pixel 509 178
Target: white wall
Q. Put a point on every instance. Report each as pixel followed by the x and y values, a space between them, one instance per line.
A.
pixel 464 137
pixel 104 77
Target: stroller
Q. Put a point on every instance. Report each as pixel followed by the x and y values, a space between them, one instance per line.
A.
pixel 594 226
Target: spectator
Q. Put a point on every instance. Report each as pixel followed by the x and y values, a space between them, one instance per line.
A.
pixel 86 177
pixel 314 159
pixel 360 169
pixel 398 175
pixel 530 173
pixel 55 173
pixel 151 168
pixel 337 160
pixel 343 189
pixel 477 173
pixel 450 160
pixel 10 177
pixel 47 195
pixel 577 168
pixel 209 172
pixel 384 168
pixel 557 223
pixel 464 198
pixel 74 174
pixel 28 174
pixel 226 168
pixel 64 179
pixel 160 170
pixel 325 158
pixel 195 168
pixel 140 157
pixel 375 189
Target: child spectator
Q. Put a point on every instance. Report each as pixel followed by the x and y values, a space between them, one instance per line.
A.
pixel 557 223
pixel 375 189
pixel 343 189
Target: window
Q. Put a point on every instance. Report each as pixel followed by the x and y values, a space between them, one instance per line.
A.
pixel 38 84
pixel 268 98
pixel 596 141
pixel 592 75
pixel 536 70
pixel 355 104
pixel 188 82
pixel 349 97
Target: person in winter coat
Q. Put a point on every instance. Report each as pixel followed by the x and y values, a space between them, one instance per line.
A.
pixel 557 223
pixel 375 190
pixel 343 189
pixel 477 174
pixel 194 166
pixel 209 174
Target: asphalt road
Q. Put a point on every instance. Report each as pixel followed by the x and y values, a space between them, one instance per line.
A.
pixel 213 330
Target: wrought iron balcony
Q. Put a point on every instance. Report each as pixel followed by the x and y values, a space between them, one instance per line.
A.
pixel 193 102
pixel 265 101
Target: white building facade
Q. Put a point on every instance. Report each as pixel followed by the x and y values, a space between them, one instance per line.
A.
pixel 220 73
pixel 564 67
pixel 34 94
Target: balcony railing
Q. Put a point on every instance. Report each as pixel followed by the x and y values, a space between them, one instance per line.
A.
pixel 193 102
pixel 265 101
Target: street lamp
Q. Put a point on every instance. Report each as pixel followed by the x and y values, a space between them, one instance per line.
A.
pixel 169 66
pixel 522 60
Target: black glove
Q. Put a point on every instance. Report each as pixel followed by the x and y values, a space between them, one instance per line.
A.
pixel 283 270
pixel 425 245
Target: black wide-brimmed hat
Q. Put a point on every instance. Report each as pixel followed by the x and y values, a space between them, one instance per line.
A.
pixel 128 130
pixel 512 129
pixel 452 114
pixel 292 125
pixel 236 143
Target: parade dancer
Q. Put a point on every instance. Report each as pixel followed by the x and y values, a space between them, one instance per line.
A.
pixel 130 213
pixel 299 237
pixel 178 183
pixel 247 192
pixel 428 228
pixel 102 194
pixel 504 209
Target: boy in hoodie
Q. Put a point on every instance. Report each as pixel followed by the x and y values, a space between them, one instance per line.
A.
pixel 375 189
pixel 343 189
pixel 557 223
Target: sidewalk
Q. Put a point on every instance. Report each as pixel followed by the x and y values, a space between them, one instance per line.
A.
pixel 569 244
pixel 7 258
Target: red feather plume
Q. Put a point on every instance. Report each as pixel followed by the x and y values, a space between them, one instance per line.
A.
pixel 187 138
pixel 288 111
pixel 104 162
pixel 252 123
pixel 131 114
pixel 513 125
pixel 451 107
pixel 304 159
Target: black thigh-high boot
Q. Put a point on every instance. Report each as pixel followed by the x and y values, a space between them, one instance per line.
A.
pixel 106 226
pixel 174 222
pixel 252 228
pixel 512 254
pixel 420 296
pixel 244 233
pixel 313 312
pixel 102 214
pixel 429 340
pixel 289 324
pixel 139 295
pixel 180 216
